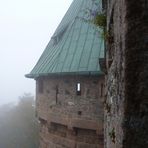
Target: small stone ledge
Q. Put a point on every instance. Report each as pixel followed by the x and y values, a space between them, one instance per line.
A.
pixel 42 115
pixel 76 123
pixel 58 141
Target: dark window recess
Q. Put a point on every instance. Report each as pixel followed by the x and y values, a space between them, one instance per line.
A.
pixel 81 132
pixel 40 86
pixel 56 127
pixel 79 112
pixel 57 91
pixel 42 121
pixel 101 90
pixel 78 89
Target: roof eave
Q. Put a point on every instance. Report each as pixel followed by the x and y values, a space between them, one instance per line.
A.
pixel 92 73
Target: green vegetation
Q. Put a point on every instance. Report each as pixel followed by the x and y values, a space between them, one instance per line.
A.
pixel 112 135
pixel 100 20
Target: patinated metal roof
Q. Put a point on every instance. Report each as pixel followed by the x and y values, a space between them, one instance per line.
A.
pixel 76 46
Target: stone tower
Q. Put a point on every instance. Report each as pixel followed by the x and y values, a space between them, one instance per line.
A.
pixel 69 83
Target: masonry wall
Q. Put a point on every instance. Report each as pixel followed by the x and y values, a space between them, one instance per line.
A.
pixel 69 119
pixel 126 102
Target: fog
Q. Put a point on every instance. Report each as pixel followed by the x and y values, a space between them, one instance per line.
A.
pixel 19 125
pixel 25 29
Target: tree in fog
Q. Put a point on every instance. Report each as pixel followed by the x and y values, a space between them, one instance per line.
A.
pixel 18 125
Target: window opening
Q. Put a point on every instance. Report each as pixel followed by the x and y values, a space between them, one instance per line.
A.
pixel 78 89
pixel 57 91
pixel 79 112
pixel 59 35
pixel 40 86
pixel 101 90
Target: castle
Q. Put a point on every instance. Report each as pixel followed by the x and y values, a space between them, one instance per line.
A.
pixel 73 70
pixel 69 82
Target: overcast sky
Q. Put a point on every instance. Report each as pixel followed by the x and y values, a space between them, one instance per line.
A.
pixel 26 27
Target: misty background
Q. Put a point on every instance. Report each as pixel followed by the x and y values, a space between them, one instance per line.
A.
pixel 19 127
pixel 26 27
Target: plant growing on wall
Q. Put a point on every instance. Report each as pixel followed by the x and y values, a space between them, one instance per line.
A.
pixel 97 17
pixel 100 20
pixel 112 135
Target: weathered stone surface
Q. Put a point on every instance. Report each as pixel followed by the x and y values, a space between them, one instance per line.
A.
pixel 126 113
pixel 69 120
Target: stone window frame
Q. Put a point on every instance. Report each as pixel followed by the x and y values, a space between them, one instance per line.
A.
pixel 78 89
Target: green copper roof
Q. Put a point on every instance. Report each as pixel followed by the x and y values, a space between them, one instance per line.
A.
pixel 76 45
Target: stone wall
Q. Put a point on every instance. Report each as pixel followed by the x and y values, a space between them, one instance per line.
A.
pixel 69 119
pixel 115 74
pixel 126 95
